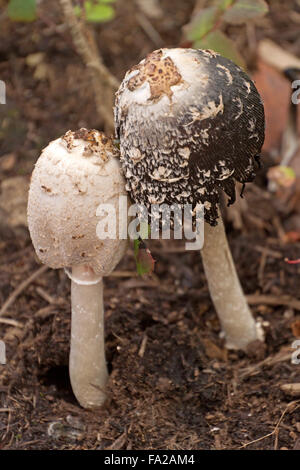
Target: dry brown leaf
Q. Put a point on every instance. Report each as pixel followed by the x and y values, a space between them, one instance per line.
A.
pixel 275 91
pixel 295 326
pixel 213 351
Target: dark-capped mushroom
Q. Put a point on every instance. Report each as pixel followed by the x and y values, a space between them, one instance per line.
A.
pixel 191 123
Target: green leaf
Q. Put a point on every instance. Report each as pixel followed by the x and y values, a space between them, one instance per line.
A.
pixel 98 12
pixel 219 42
pixel 202 23
pixel 143 258
pixel 144 262
pixel 245 10
pixel 282 176
pixel 22 10
pixel 223 4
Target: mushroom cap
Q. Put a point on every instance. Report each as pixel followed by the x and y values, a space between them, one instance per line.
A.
pixel 73 175
pixel 190 122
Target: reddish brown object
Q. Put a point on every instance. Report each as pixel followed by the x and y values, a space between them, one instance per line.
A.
pixel 296 328
pixel 292 261
pixel 291 237
pixel 275 91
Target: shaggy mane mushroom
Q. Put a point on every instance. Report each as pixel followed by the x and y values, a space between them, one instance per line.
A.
pixel 190 124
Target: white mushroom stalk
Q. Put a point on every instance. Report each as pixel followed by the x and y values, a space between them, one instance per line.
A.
pixel 87 364
pixel 191 124
pixel 73 176
pixel 225 290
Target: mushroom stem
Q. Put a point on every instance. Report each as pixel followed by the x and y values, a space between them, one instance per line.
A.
pixel 225 289
pixel 88 371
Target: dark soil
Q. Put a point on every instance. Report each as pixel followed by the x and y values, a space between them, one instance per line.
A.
pixel 173 385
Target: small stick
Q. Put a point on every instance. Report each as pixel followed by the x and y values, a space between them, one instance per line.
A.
pixel 123 274
pixel 261 269
pixel 104 83
pixel 51 300
pixel 9 321
pixel 268 252
pixel 149 29
pixel 275 430
pixel 143 346
pixel 21 288
pixel 282 356
pixel 274 300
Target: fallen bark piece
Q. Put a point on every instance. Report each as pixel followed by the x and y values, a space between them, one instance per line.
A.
pixel 291 389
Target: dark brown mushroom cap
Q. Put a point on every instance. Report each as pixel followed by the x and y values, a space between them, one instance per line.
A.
pixel 190 122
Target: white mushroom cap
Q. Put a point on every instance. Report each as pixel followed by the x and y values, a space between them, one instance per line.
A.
pixel 73 175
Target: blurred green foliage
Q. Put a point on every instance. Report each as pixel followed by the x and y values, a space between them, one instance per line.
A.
pixel 22 10
pixel 143 258
pixel 97 11
pixel 205 29
pixel 94 11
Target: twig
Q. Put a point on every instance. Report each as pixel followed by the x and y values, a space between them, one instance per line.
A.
pixel 23 444
pixel 9 321
pixel 251 37
pixel 261 269
pixel 150 8
pixel 164 249
pixel 123 274
pixel 142 349
pixel 257 440
pixel 275 430
pixel 285 300
pixel 20 289
pixel 268 252
pixel 149 29
pixel 104 83
pixel 46 296
pixel 282 356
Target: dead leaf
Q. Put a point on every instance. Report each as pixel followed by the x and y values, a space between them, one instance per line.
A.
pixel 292 236
pixel 295 326
pixel 275 91
pixel 213 351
